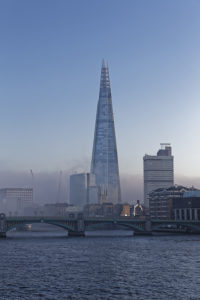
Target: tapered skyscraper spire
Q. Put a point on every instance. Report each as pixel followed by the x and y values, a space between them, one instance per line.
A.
pixel 104 157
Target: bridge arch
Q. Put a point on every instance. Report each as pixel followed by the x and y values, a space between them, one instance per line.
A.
pixel 95 225
pixel 195 227
pixel 12 225
pixel 176 226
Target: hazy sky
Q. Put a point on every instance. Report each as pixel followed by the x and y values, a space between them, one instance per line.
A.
pixel 50 60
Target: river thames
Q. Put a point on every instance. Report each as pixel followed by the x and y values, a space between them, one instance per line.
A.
pixel 38 265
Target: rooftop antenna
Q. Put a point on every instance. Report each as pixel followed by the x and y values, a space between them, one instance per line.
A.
pixel 165 144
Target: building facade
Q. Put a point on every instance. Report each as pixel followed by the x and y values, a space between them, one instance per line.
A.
pixel 163 201
pixel 94 194
pixel 14 201
pixel 82 188
pixel 188 207
pixel 158 171
pixel 104 156
pixel 61 210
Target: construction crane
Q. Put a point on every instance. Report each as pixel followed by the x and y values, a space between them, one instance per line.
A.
pixel 59 187
pixel 32 176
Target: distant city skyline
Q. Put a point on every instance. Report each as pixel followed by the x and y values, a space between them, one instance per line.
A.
pixel 50 57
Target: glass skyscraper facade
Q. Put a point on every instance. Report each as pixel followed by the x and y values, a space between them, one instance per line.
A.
pixel 104 157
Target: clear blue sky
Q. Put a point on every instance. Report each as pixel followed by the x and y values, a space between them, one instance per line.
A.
pixel 50 59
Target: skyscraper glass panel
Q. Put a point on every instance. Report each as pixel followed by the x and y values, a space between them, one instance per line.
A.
pixel 104 157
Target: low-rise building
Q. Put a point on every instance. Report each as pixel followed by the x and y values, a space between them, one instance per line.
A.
pixel 161 201
pixel 126 211
pixel 13 201
pixel 61 210
pixel 93 210
pixel 186 208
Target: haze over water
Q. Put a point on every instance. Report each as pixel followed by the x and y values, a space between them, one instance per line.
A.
pixel 52 266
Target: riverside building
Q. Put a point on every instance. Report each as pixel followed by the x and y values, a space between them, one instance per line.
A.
pixel 14 201
pixel 176 202
pixel 187 208
pixel 104 162
pixel 161 201
pixel 158 171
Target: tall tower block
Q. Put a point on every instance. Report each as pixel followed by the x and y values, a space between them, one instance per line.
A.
pixel 158 171
pixel 104 156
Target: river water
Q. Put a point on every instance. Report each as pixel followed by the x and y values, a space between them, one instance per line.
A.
pixel 52 266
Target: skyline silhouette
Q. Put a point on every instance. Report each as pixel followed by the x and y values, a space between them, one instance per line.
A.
pixel 50 81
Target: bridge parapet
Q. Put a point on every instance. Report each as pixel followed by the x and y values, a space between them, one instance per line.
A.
pixel 78 226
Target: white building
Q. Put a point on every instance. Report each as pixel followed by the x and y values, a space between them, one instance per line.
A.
pixel 82 188
pixel 158 171
pixel 13 201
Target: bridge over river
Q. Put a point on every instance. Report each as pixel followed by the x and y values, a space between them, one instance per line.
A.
pixel 78 226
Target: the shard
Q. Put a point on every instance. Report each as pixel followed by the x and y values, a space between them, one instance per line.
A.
pixel 104 156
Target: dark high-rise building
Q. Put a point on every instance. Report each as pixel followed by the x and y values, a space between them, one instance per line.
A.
pixel 104 157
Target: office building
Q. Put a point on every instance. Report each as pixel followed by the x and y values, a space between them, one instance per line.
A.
pixel 104 156
pixel 61 210
pixel 176 202
pixel 188 207
pixel 126 211
pixel 158 171
pixel 14 201
pixel 160 201
pixel 82 187
pixel 94 194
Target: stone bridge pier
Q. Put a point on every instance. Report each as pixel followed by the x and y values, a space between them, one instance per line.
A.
pixel 2 225
pixel 79 229
pixel 148 226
